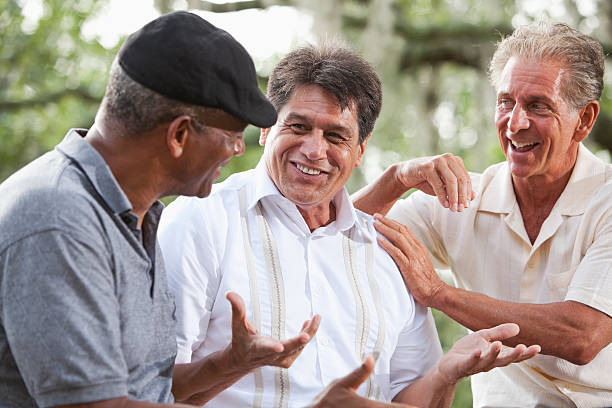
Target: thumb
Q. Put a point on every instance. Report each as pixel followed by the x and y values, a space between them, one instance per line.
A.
pixel 238 309
pixel 354 379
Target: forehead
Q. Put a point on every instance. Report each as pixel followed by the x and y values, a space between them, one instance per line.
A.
pixel 523 77
pixel 317 104
pixel 220 119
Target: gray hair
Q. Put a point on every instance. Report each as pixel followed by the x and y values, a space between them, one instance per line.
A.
pixel 338 70
pixel 138 109
pixel 581 56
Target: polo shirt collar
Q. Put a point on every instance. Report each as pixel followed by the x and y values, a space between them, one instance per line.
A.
pixel 346 215
pixel 498 197
pixel 589 173
pixel 95 168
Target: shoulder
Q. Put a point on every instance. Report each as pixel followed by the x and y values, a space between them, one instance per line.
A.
pixel 48 193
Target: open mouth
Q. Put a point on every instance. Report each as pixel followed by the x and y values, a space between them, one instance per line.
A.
pixel 522 147
pixel 308 170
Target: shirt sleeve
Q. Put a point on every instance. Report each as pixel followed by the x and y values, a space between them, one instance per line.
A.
pixel 417 212
pixel 61 317
pixel 591 284
pixel 192 268
pixel 417 351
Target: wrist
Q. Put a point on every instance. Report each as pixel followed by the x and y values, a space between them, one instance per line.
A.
pixel 400 183
pixel 233 363
pixel 440 296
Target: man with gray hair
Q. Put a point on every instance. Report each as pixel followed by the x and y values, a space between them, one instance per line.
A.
pixel 535 245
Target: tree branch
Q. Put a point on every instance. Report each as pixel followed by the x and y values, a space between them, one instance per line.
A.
pixel 80 93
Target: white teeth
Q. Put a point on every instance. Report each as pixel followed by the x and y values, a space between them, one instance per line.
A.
pixel 519 145
pixel 307 170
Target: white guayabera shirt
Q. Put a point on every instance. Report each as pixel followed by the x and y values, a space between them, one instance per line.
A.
pixel 488 250
pixel 248 238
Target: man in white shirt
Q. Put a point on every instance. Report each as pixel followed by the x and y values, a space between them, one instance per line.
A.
pixel 535 245
pixel 285 238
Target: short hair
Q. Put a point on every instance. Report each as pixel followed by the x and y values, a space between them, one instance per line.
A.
pixel 138 109
pixel 338 70
pixel 581 55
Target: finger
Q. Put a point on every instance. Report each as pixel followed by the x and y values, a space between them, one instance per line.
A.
pixel 313 326
pixel 437 185
pixel 393 230
pixel 510 355
pixel 238 310
pixel 488 358
pixel 501 332
pixel 355 378
pixel 464 187
pixel 450 184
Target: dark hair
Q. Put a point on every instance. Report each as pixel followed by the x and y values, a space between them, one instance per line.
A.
pixel 581 56
pixel 138 109
pixel 338 70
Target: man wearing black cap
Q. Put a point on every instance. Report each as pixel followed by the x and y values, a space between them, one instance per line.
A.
pixel 85 315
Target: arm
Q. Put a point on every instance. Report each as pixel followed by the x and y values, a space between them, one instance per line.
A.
pixel 443 176
pixel 197 383
pixel 474 353
pixel 541 324
pixel 123 403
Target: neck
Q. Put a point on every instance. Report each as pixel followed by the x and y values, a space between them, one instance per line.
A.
pixel 318 216
pixel 536 198
pixel 132 165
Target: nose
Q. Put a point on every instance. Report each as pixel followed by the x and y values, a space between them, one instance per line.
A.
pixel 314 145
pixel 239 147
pixel 518 119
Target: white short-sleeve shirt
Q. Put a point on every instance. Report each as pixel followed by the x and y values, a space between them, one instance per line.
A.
pixel 363 308
pixel 488 250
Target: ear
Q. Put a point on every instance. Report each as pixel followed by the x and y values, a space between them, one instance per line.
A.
pixel 362 147
pixel 587 116
pixel 263 135
pixel 177 135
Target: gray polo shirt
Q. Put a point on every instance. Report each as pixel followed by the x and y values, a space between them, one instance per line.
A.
pixel 85 314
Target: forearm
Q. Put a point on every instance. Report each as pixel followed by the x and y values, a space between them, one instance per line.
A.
pixel 197 383
pixel 542 324
pixel 380 195
pixel 432 391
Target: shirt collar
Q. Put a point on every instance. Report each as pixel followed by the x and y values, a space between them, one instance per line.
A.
pixel 346 215
pixel 589 173
pixel 95 168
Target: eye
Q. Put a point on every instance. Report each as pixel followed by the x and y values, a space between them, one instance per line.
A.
pixel 297 127
pixel 538 107
pixel 335 137
pixel 505 103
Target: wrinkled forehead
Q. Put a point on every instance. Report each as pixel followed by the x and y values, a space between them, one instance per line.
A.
pixel 522 76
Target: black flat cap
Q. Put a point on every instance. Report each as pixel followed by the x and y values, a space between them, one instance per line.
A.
pixel 184 57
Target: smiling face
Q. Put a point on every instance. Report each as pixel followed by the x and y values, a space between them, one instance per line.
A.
pixel 535 125
pixel 312 149
pixel 207 149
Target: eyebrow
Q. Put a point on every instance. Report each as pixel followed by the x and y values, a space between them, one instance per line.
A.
pixel 530 98
pixel 302 118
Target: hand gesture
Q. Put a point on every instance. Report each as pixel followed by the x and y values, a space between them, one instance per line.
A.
pixel 482 351
pixel 250 350
pixel 444 176
pixel 411 258
pixel 341 393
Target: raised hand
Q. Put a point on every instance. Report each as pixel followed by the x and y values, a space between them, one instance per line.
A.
pixel 250 350
pixel 482 351
pixel 341 392
pixel 444 176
